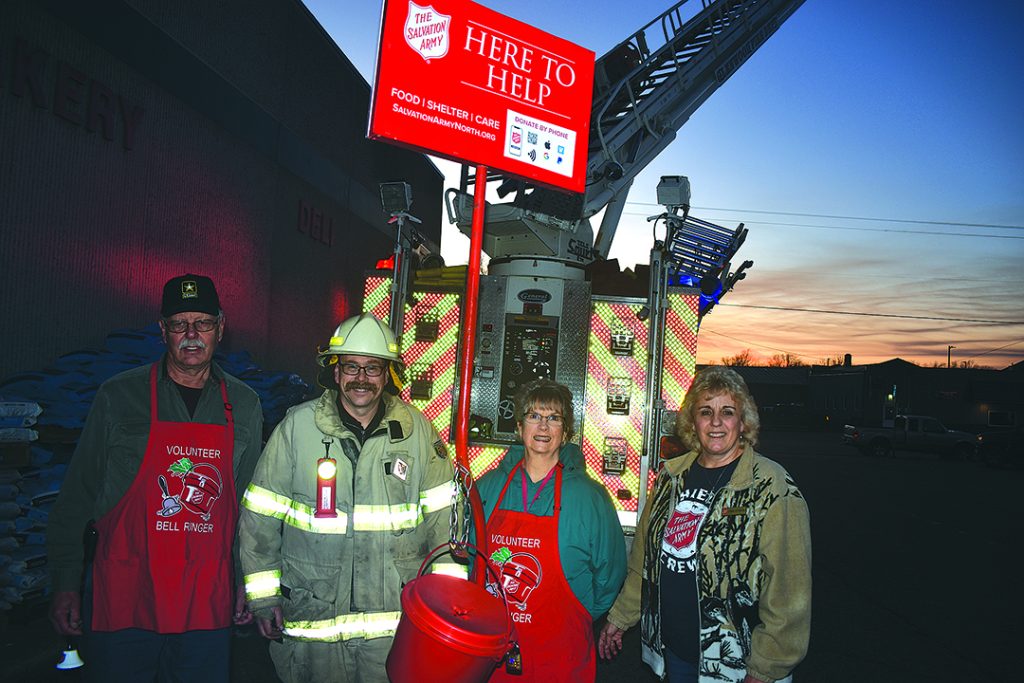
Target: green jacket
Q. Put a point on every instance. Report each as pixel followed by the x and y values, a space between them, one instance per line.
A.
pixel 590 539
pixel 754 577
pixel 113 443
pixel 338 578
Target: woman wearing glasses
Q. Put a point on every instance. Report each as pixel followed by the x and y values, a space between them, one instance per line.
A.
pixel 554 539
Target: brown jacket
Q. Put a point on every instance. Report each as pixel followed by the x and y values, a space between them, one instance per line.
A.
pixel 754 577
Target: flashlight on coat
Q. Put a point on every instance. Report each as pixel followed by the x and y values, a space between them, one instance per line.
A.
pixel 326 484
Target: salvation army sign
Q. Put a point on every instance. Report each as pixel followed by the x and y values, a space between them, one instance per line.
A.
pixel 458 80
pixel 426 31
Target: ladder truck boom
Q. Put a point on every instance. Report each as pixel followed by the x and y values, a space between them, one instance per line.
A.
pixel 677 61
pixel 645 89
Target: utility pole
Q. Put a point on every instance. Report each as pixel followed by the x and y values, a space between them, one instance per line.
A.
pixel 949 348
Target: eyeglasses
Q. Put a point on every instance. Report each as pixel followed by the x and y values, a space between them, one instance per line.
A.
pixel 201 325
pixel 554 420
pixel 353 369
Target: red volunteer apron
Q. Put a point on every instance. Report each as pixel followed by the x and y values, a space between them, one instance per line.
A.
pixel 556 632
pixel 163 554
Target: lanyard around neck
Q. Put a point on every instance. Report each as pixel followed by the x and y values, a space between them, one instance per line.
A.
pixel 526 508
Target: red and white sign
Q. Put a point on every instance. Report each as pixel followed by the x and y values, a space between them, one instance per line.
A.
pixel 426 31
pixel 460 81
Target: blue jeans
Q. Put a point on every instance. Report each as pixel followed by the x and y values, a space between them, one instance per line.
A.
pixel 134 655
pixel 677 670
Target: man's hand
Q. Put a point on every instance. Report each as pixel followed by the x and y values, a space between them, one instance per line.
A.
pixel 272 629
pixel 242 615
pixel 66 613
pixel 750 679
pixel 609 643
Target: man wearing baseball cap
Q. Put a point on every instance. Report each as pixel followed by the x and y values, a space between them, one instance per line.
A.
pixel 154 480
pixel 351 493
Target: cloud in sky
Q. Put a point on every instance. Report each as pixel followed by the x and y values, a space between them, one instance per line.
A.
pixel 867 109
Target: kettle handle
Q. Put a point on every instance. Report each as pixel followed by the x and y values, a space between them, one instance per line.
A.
pixel 487 563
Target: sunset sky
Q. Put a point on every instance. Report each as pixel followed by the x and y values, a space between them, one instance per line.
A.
pixel 873 149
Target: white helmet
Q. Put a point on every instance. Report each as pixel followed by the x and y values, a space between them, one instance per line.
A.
pixel 363 335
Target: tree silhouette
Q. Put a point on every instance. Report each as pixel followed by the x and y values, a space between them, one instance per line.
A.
pixel 744 358
pixel 785 360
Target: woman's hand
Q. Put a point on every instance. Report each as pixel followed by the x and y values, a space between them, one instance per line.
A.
pixel 609 643
pixel 750 679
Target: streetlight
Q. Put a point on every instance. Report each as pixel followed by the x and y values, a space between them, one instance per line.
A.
pixel 949 347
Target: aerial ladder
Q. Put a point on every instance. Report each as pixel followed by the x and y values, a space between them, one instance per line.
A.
pixel 625 358
pixel 645 89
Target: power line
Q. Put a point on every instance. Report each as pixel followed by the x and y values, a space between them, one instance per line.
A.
pixel 996 226
pixel 887 276
pixel 895 230
pixel 876 315
pixel 998 348
pixel 850 227
pixel 749 343
pixel 802 355
pixel 853 218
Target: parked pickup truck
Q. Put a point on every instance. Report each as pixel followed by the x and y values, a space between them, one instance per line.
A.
pixel 911 433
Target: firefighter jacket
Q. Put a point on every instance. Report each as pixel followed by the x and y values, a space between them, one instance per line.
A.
pixel 339 578
pixel 113 444
pixel 753 578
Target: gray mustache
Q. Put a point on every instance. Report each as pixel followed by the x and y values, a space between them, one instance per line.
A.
pixel 191 344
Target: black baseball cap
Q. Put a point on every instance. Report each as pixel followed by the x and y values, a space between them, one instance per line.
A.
pixel 189 293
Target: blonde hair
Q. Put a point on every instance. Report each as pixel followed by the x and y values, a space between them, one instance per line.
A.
pixel 715 380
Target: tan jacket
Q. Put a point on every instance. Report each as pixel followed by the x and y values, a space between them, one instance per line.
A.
pixel 754 578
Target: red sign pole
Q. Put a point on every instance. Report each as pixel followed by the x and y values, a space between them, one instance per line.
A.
pixel 458 80
pixel 469 312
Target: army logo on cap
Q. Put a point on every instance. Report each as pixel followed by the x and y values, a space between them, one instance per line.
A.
pixel 189 289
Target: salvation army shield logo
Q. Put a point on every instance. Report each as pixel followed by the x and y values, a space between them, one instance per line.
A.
pixel 681 530
pixel 426 31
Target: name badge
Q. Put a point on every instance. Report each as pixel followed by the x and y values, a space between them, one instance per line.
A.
pixel 734 512
pixel 400 469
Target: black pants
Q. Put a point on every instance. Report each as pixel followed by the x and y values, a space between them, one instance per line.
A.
pixel 135 655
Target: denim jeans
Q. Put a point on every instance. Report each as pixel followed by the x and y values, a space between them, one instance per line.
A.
pixel 677 670
pixel 134 655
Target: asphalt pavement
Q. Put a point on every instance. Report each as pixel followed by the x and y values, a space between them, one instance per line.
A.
pixel 914 576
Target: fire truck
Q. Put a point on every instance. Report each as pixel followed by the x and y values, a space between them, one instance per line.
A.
pixel 545 307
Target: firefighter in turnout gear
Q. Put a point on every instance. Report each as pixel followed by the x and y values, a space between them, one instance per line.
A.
pixel 351 493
